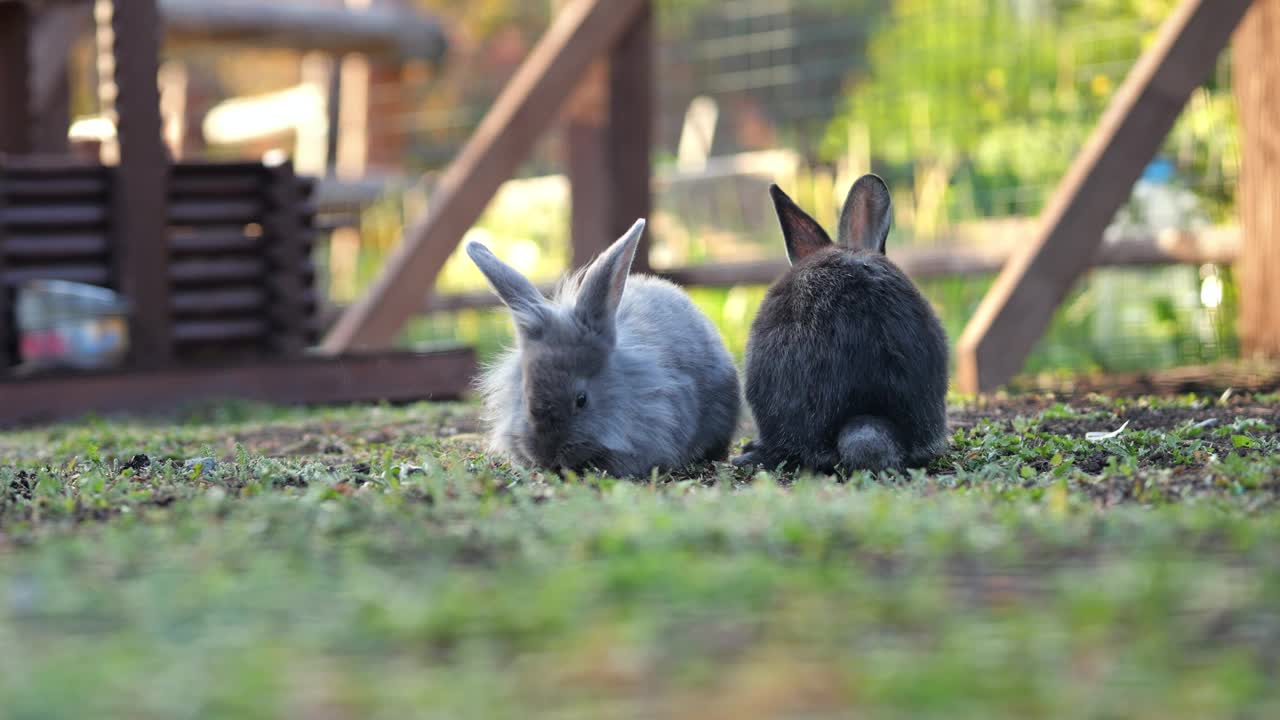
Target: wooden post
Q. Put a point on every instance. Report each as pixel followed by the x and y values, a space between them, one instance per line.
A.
pixel 288 259
pixel 586 158
pixel 15 78
pixel 1015 312
pixel 632 106
pixel 608 142
pixel 139 229
pixel 1256 74
pixel 15 136
pixel 581 33
pixel 55 30
pixel 8 339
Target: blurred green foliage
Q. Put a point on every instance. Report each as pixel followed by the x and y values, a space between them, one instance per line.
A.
pixel 992 99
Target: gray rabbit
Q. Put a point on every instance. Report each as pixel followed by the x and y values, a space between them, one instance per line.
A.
pixel 846 360
pixel 618 373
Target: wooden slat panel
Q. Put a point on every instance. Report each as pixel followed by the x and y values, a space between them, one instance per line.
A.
pixel 579 34
pixel 217 168
pixel 89 187
pixel 192 331
pixel 184 274
pixel 188 185
pixel 222 270
pixel 56 216
pixel 1020 304
pixel 49 166
pixel 213 242
pixel 92 274
pixel 288 259
pixel 392 377
pixel 208 302
pixel 141 244
pixel 215 212
pixel 27 246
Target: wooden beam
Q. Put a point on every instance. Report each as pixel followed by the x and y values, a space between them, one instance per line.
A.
pixel 586 139
pixel 288 257
pixel 1255 73
pixel 392 34
pixel 1218 246
pixel 581 33
pixel 15 78
pixel 1019 306
pixel 632 110
pixel 608 142
pixel 15 136
pixel 387 377
pixel 139 203
pixel 57 28
pixel 1248 376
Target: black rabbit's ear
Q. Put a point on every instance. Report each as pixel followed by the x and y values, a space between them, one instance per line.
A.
pixel 527 304
pixel 803 235
pixel 867 215
pixel 605 279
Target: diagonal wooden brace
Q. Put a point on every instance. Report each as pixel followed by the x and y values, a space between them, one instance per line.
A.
pixel 1019 306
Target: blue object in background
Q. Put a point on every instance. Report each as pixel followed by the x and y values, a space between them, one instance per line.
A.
pixel 1159 171
pixel 67 324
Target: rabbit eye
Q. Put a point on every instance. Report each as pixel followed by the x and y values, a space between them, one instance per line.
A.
pixel 581 400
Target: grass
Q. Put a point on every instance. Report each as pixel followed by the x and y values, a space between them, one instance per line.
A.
pixel 375 562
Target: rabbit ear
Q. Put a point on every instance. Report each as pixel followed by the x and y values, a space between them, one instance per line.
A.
pixel 867 215
pixel 526 303
pixel 802 234
pixel 605 279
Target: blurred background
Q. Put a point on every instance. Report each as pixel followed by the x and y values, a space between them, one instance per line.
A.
pixel 971 110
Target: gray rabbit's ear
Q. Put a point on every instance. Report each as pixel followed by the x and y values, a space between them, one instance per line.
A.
pixel 527 304
pixel 867 215
pixel 605 279
pixel 802 234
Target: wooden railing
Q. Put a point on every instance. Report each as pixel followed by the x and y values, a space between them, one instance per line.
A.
pixel 1216 246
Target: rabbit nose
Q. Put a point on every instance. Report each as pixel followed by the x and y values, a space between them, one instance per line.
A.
pixel 548 450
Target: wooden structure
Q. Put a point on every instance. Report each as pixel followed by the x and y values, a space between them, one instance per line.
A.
pixel 1220 247
pixel 609 172
pixel 1256 67
pixel 214 259
pixel 390 377
pixel 1018 308
pixel 596 60
pixel 236 276
pixel 593 70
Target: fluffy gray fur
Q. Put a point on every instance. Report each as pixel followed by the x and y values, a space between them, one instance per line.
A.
pixel 846 360
pixel 622 374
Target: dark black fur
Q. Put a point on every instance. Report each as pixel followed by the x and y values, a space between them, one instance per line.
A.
pixel 846 361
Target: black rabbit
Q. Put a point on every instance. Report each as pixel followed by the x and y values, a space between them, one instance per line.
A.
pixel 846 361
